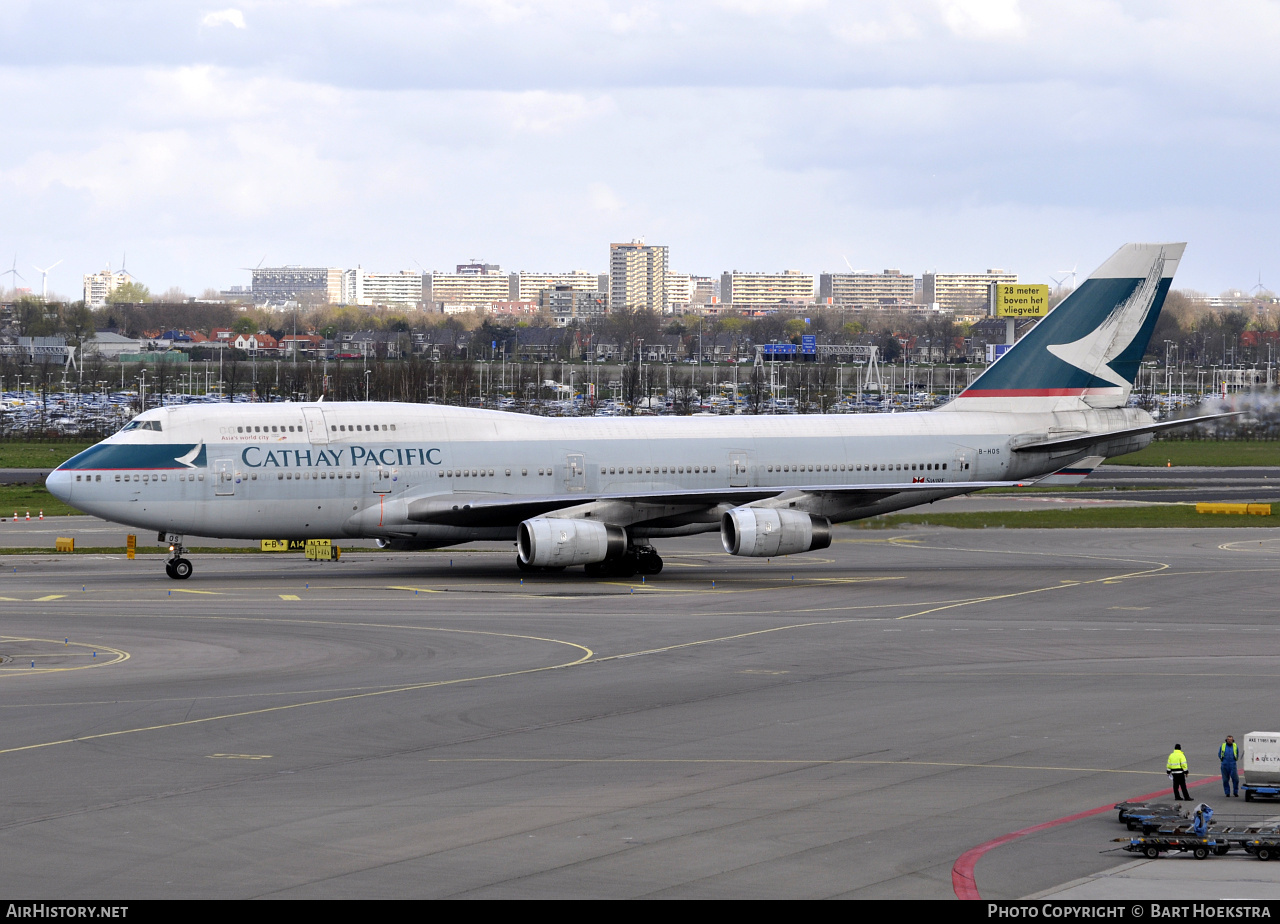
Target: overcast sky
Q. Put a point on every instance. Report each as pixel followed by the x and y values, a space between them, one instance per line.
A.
pixel 948 135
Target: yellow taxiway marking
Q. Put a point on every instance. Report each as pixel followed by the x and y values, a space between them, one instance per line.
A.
pixel 212 593
pixel 416 590
pixel 587 655
pixel 239 756
pixel 93 652
pixel 11 600
pixel 48 598
pixel 733 585
pixel 785 762
pixel 1062 585
pixel 289 597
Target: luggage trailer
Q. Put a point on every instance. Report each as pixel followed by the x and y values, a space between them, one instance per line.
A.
pixel 1168 827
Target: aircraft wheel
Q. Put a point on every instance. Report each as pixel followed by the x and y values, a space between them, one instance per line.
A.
pixel 181 569
pixel 650 563
pixel 168 569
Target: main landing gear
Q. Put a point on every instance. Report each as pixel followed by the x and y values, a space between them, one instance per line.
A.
pixel 177 567
pixel 639 559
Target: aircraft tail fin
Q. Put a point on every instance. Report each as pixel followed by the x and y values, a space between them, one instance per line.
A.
pixel 1086 352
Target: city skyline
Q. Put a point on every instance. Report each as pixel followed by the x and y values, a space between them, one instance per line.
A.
pixel 932 135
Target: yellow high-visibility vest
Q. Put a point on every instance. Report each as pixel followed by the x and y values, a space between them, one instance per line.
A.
pixel 1177 761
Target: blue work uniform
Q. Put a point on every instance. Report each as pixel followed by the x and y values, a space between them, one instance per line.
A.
pixel 1229 754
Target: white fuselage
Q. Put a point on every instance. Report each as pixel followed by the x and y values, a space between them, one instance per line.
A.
pixel 332 470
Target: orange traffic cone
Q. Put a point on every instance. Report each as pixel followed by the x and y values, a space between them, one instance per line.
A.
pixel 42 514
pixel 28 516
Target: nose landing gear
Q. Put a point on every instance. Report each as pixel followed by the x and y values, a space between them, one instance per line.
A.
pixel 177 567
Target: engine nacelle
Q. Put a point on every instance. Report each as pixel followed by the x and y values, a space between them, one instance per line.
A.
pixel 763 532
pixel 548 542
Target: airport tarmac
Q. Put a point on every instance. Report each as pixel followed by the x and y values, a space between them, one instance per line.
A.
pixel 866 721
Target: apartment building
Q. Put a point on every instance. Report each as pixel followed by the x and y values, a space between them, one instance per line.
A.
pixel 98 286
pixel 637 277
pixel 567 304
pixel 962 291
pixel 315 284
pixel 476 290
pixel 762 290
pixel 528 286
pixel 866 290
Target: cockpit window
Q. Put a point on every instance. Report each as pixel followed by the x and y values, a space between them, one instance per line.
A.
pixel 142 425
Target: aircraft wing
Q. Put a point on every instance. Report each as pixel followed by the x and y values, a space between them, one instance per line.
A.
pixel 1090 440
pixel 484 509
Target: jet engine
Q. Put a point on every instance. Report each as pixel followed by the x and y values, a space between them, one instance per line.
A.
pixel 764 532
pixel 549 542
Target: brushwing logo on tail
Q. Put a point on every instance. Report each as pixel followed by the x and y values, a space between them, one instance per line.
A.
pixel 1094 352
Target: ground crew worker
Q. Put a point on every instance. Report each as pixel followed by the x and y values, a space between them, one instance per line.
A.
pixel 1229 755
pixel 1176 767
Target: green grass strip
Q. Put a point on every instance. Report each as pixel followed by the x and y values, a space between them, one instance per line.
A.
pixel 34 498
pixel 1160 516
pixel 1226 453
pixel 23 454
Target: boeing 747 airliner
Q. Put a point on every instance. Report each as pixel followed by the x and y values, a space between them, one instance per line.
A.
pixel 597 491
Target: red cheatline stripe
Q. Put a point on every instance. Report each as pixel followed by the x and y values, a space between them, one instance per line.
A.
pixel 962 881
pixel 1034 392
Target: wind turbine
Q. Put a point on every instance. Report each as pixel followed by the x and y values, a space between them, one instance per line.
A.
pixel 1259 287
pixel 44 281
pixel 1066 274
pixel 13 272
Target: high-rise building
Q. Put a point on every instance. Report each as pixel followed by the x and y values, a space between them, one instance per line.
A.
pixel 637 277
pixel 867 290
pixel 765 290
pixel 98 286
pixel 962 291
pixel 299 283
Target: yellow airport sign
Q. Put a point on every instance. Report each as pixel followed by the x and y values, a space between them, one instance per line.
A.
pixel 1015 300
pixel 284 545
pixel 322 550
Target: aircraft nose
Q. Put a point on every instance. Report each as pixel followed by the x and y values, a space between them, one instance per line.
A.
pixel 59 484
